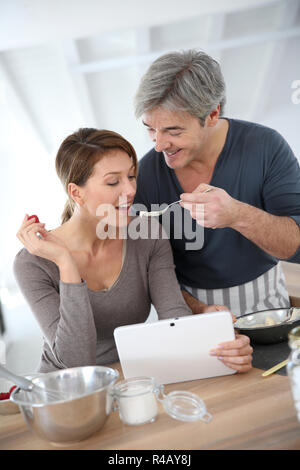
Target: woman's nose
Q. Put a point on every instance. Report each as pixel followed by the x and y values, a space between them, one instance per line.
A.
pixel 129 188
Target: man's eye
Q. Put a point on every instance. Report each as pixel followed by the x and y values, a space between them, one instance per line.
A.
pixel 175 134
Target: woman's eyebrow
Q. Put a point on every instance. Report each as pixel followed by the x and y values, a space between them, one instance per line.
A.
pixel 112 173
pixel 117 172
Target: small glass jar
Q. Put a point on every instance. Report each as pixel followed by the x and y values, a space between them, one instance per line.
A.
pixel 293 367
pixel 137 398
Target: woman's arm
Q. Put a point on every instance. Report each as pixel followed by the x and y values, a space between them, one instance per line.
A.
pixel 39 242
pixel 50 282
pixel 62 310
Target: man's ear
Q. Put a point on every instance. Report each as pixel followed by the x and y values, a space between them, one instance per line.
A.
pixel 212 118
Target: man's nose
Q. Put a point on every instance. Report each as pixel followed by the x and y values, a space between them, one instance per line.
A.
pixel 161 142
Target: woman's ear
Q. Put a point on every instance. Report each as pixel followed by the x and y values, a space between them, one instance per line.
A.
pixel 75 193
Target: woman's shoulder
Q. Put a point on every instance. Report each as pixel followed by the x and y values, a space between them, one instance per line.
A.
pixel 24 256
pixel 26 263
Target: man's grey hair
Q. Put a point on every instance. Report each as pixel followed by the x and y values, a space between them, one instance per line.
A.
pixel 189 81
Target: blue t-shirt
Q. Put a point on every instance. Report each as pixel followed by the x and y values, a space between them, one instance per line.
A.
pixel 256 166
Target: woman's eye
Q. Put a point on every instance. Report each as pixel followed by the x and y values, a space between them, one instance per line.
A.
pixel 132 177
pixel 113 184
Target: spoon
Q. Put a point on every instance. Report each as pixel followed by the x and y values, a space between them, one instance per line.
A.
pixel 22 382
pixel 38 393
pixel 158 213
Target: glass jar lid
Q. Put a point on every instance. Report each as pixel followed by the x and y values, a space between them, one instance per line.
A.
pixel 185 406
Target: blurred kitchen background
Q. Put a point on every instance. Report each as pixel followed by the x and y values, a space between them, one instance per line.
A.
pixel 65 64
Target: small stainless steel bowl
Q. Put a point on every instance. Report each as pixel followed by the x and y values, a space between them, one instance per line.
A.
pixel 267 326
pixel 76 417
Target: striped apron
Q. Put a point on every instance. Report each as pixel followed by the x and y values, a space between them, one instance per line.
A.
pixel 266 292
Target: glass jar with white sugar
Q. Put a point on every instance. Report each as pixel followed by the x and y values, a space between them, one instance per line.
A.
pixel 137 398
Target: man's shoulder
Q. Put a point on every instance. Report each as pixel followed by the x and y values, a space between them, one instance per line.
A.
pixel 250 128
pixel 263 142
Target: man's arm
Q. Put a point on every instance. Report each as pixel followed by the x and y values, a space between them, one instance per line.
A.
pixel 200 307
pixel 277 235
pixel 195 305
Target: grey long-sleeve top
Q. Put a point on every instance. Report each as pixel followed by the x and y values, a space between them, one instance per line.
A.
pixel 78 323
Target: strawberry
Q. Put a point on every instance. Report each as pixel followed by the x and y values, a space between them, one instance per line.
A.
pixel 36 221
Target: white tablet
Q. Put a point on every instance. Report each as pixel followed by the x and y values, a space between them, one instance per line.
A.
pixel 175 350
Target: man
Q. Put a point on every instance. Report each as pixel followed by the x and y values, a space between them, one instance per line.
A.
pixel 252 214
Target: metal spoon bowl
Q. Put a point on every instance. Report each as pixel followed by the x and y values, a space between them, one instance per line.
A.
pixel 161 212
pixel 37 393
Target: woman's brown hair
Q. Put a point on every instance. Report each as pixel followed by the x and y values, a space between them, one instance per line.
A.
pixel 78 154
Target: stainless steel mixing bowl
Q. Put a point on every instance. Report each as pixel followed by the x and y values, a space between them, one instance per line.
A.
pixel 83 409
pixel 268 326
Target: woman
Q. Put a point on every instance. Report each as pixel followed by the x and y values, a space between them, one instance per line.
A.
pixel 80 283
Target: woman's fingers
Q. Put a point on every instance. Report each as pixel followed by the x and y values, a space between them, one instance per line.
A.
pixel 238 363
pixel 28 233
pixel 40 242
pixel 26 223
pixel 240 341
pixel 240 368
pixel 30 230
pixel 221 352
pixel 236 354
pixel 33 228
